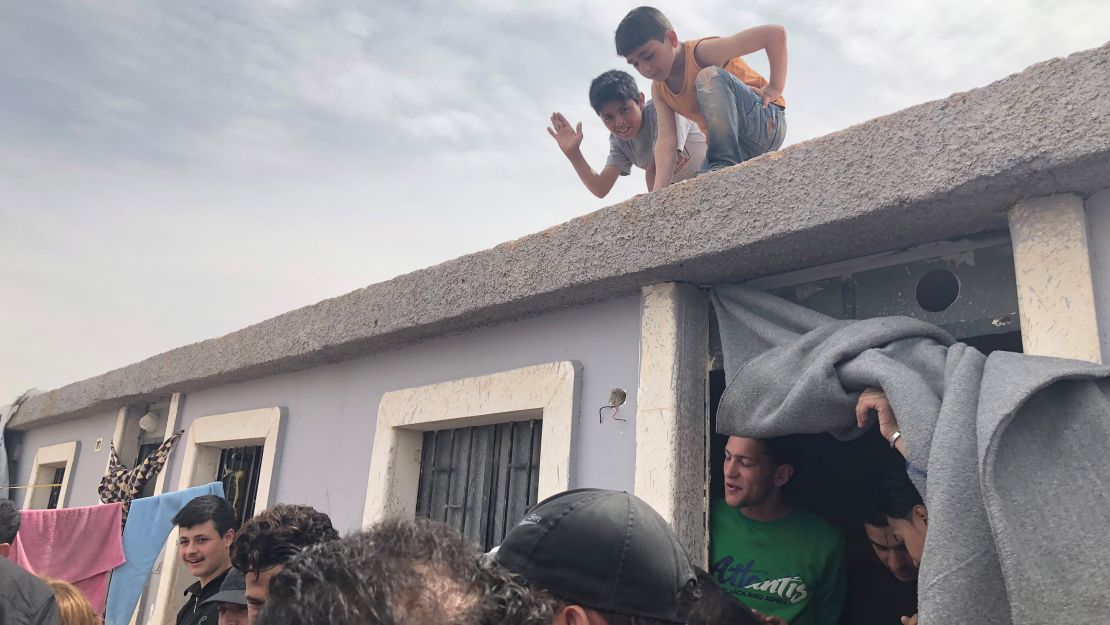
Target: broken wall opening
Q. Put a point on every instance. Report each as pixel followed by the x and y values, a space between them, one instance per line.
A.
pixel 966 287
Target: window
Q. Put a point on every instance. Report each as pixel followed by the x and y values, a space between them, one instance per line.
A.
pixel 239 471
pixel 52 468
pixel 56 488
pixel 480 480
pixel 541 397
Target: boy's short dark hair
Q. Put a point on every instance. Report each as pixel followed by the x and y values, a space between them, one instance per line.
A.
pixel 9 521
pixel 207 508
pixel 275 535
pixel 896 496
pixel 613 85
pixel 779 450
pixel 640 26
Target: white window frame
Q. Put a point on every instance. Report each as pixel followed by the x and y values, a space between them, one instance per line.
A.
pixel 47 459
pixel 550 391
pixel 207 438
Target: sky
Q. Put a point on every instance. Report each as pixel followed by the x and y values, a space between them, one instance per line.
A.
pixel 174 171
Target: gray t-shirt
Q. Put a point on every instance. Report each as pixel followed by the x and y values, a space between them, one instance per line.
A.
pixel 640 150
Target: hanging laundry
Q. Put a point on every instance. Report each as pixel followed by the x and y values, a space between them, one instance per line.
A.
pixel 122 485
pixel 78 545
pixel 148 526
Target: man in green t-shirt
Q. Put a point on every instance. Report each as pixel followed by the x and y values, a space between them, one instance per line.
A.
pixel 782 561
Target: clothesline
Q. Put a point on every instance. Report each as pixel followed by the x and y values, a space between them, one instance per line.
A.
pixel 33 486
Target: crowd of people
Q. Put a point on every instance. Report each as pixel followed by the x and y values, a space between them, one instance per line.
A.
pixel 581 557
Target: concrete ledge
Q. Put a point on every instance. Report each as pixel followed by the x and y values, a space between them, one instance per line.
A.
pixel 934 171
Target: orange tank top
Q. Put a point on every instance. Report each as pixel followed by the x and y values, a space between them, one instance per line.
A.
pixel 685 102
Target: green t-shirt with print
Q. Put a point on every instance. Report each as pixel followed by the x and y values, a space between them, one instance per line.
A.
pixel 793 568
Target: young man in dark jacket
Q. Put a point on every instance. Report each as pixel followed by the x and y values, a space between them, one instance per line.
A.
pixel 206 527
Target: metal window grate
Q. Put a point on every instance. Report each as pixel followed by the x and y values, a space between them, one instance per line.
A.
pixel 480 480
pixel 56 491
pixel 239 470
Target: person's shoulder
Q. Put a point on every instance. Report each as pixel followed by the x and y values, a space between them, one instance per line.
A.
pixel 19 587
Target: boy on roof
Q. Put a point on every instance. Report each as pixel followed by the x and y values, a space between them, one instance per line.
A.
pixel 633 129
pixel 741 113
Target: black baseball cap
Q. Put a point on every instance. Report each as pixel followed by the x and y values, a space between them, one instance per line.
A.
pixel 605 550
pixel 232 590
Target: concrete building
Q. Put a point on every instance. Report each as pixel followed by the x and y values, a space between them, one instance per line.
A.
pixel 987 213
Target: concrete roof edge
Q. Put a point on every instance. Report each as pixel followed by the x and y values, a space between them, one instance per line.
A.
pixel 936 170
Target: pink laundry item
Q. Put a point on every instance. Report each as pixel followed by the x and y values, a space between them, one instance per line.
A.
pixel 78 545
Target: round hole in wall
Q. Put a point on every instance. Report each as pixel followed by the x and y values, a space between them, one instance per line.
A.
pixel 937 289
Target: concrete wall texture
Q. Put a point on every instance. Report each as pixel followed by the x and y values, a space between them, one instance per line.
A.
pixel 332 410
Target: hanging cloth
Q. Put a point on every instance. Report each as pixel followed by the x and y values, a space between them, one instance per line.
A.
pixel 78 545
pixel 122 485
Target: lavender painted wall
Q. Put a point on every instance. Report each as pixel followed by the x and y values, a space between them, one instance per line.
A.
pixel 331 411
pixel 88 465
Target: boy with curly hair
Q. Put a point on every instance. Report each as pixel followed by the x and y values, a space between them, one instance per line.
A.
pixel 269 540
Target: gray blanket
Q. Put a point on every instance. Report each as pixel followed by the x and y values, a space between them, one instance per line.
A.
pixel 1016 447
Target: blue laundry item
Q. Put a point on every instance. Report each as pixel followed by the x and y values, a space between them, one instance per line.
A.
pixel 148 526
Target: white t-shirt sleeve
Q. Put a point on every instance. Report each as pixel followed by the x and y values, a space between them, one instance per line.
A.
pixel 682 129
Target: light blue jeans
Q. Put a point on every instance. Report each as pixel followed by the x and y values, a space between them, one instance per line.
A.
pixel 739 127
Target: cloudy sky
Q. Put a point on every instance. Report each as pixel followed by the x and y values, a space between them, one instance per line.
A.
pixel 173 171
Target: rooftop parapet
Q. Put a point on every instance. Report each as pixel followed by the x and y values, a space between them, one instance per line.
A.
pixel 939 170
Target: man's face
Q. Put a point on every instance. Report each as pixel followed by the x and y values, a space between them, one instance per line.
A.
pixel 258 584
pixel 623 118
pixel 750 474
pixel 654 59
pixel 891 551
pixel 232 614
pixel 204 552
pixel 912 532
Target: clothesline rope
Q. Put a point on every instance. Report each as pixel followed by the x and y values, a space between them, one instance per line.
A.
pixel 34 486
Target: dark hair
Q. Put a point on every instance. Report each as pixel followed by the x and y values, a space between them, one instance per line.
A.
pixel 640 26
pixel 895 494
pixel 207 508
pixel 867 503
pixel 400 572
pixel 613 85
pixel 779 451
pixel 9 521
pixel 867 506
pixel 717 606
pixel 274 536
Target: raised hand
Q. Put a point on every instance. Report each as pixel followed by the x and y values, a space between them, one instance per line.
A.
pixel 568 138
pixel 875 399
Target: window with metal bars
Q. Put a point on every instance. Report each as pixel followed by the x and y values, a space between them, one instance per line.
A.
pixel 239 470
pixel 56 489
pixel 480 480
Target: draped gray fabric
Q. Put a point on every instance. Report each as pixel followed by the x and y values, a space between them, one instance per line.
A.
pixel 1016 448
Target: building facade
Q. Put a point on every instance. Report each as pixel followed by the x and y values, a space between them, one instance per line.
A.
pixel 586 354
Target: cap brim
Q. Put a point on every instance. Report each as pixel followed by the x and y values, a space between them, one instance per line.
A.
pixel 237 597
